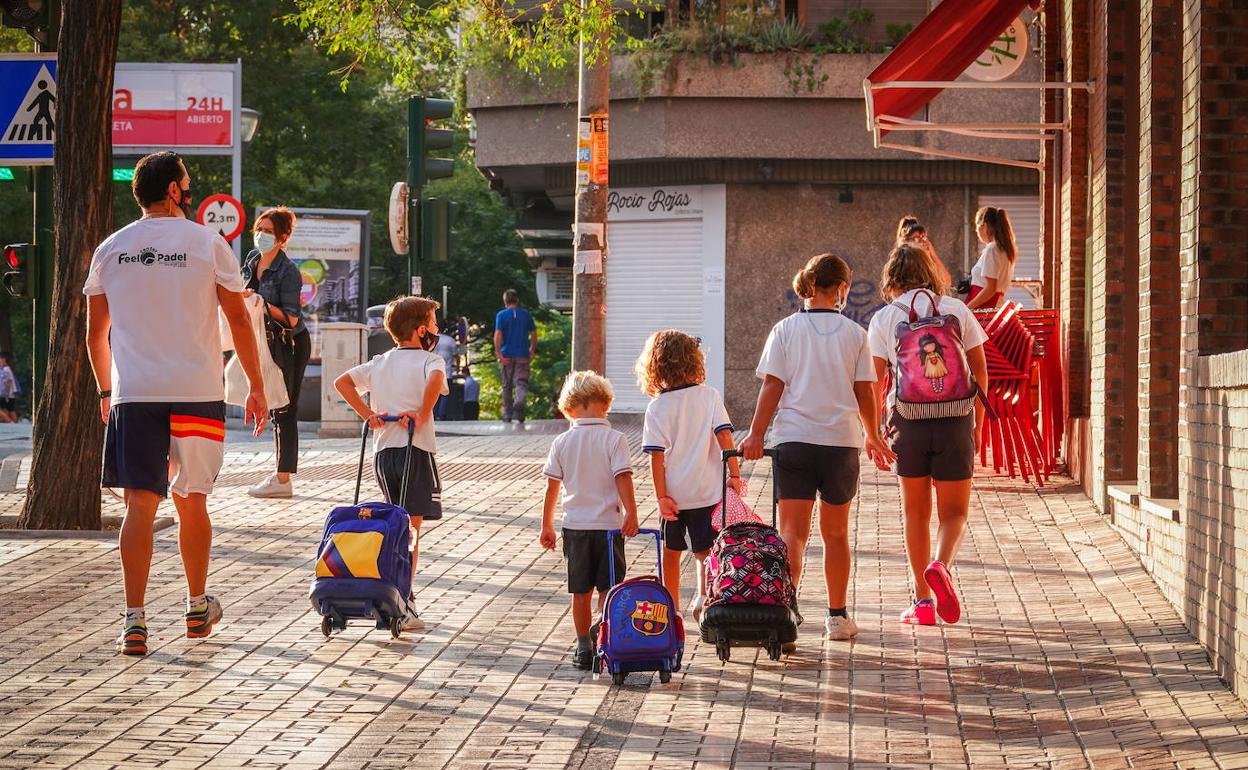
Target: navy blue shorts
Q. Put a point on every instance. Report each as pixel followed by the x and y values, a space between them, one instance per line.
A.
pixel 147 443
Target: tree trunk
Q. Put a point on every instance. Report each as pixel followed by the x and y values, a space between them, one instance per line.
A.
pixel 64 490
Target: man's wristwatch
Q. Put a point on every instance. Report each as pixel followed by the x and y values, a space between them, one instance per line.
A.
pixel 103 394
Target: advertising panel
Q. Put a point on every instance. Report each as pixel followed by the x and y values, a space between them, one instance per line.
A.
pixel 330 248
pixel 181 107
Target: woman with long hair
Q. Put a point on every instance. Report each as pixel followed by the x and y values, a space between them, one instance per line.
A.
pixel 994 270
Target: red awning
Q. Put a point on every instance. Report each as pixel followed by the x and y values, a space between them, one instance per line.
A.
pixel 944 44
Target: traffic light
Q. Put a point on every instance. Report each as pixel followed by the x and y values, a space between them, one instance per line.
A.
pixel 28 15
pixel 437 217
pixel 20 262
pixel 421 138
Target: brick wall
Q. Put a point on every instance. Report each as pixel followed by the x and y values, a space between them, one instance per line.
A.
pixel 1181 194
pixel 1073 25
pixel 1160 86
pixel 1112 263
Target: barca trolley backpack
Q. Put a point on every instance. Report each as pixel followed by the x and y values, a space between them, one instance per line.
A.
pixel 751 600
pixel 640 628
pixel 364 562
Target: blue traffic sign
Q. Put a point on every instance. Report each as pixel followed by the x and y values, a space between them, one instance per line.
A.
pixel 27 108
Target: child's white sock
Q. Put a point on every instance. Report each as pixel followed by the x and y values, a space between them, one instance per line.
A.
pixel 135 616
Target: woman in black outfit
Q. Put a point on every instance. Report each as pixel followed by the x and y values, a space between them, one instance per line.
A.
pixel 267 271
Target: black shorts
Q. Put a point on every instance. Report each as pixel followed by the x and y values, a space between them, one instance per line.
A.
pixel 8 404
pixel 943 448
pixel 424 486
pixel 147 442
pixel 802 470
pixel 587 553
pixel 695 523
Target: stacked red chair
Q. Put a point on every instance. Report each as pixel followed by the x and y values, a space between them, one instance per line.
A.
pixel 1023 438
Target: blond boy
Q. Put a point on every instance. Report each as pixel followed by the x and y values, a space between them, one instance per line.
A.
pixel 590 461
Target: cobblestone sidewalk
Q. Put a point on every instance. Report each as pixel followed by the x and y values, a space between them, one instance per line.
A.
pixel 1067 657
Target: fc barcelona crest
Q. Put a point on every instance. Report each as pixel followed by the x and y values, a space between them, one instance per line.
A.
pixel 650 618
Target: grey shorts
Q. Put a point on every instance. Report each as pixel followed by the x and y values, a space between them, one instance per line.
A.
pixel 943 449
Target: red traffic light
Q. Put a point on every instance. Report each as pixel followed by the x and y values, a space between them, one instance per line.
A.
pixel 18 255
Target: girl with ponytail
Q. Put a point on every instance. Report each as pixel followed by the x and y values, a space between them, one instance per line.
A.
pixel 993 272
pixel 819 385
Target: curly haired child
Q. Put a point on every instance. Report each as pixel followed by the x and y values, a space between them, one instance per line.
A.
pixel 686 430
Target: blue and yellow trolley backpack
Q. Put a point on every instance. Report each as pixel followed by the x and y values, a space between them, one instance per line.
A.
pixel 364 562
pixel 640 629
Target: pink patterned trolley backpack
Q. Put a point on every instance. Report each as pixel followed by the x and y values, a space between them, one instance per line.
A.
pixel 933 378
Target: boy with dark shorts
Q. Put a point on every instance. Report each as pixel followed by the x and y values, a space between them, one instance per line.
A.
pixel 591 463
pixel 407 381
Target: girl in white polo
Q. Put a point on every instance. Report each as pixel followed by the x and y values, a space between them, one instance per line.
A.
pixel 819 384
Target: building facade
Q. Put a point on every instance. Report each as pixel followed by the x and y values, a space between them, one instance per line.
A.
pixel 1146 236
pixel 726 177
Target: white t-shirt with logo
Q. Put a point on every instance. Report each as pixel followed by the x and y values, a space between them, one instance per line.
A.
pixel 819 355
pixel 993 263
pixel 161 276
pixel 682 424
pixel 587 458
pixel 882 333
pixel 395 382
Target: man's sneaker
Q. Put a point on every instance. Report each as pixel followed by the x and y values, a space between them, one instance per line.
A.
pixel 839 628
pixel 200 620
pixel 133 639
pixel 921 613
pixel 940 581
pixel 271 487
pixel 411 619
pixel 695 609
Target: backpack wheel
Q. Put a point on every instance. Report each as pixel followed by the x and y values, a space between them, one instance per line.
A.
pixel 665 676
pixel 327 626
pixel 774 650
pixel 396 627
pixel 723 649
pixel 618 677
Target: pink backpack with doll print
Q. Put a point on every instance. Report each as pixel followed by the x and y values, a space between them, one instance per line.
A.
pixel 933 378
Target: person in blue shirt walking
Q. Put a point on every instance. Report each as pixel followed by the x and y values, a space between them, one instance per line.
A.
pixel 515 344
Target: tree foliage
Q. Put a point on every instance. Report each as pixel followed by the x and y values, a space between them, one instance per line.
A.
pixel 414 39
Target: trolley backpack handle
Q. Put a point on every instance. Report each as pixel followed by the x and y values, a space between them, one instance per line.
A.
pixel 723 501
pixel 407 459
pixel 658 539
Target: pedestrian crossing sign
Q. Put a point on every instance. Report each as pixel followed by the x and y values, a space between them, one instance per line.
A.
pixel 27 109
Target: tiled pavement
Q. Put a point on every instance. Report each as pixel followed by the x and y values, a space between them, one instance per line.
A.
pixel 1068 656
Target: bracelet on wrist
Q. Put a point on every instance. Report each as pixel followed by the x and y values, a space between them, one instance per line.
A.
pixel 103 394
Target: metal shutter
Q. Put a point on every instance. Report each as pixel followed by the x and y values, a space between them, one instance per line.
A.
pixel 654 281
pixel 1025 216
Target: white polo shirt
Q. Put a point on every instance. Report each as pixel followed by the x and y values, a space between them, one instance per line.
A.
pixel 395 382
pixel 586 458
pixel 818 355
pixel 682 424
pixel 993 263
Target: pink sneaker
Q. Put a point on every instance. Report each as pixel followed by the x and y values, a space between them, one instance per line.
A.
pixel 940 581
pixel 921 613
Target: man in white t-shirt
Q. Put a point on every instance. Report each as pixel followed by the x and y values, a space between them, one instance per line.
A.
pixel 153 290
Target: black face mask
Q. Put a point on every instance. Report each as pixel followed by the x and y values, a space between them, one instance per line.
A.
pixel 428 340
pixel 185 205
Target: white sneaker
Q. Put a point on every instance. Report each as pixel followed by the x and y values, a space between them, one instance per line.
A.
pixel 411 620
pixel 695 609
pixel 839 628
pixel 271 487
